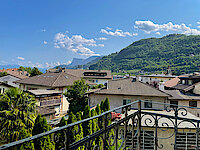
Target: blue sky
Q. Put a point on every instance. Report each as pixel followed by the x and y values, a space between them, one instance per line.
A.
pixel 45 33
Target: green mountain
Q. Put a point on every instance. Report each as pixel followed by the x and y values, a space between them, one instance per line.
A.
pixel 180 52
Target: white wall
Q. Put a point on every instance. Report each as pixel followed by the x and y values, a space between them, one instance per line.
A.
pixel 3 88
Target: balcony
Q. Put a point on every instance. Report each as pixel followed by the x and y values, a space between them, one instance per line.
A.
pixel 50 102
pixel 172 128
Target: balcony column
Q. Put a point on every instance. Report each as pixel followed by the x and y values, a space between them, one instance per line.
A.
pixel 139 126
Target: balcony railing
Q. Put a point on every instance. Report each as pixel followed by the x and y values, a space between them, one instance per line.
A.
pixel 50 102
pixel 171 128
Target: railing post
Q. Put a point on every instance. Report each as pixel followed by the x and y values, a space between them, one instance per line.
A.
pixel 116 137
pixel 197 136
pixel 125 127
pixel 175 126
pixel 139 126
pixel 67 138
pixel 104 133
pixel 133 131
pixel 156 133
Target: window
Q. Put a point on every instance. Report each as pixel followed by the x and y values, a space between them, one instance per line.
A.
pixel 126 101
pixel 190 82
pixel 148 104
pixel 186 141
pixel 172 103
pixel 183 81
pixel 147 140
pixel 193 103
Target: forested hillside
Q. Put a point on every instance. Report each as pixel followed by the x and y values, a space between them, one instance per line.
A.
pixel 179 51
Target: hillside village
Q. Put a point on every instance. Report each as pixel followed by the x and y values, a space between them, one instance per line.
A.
pixel 155 90
pixel 49 87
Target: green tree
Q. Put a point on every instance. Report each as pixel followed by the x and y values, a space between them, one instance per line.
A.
pixel 102 106
pixel 35 71
pixel 61 136
pixel 28 145
pixel 80 134
pixel 17 110
pixel 3 74
pixel 106 106
pixel 45 142
pixel 87 125
pixel 76 95
pixel 74 130
pixel 98 109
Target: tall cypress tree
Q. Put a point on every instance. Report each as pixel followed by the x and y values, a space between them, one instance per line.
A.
pixel 102 106
pixel 106 105
pixel 45 142
pixel 25 146
pixel 98 110
pixel 99 140
pixel 74 130
pixel 61 135
pixel 80 134
pixel 87 126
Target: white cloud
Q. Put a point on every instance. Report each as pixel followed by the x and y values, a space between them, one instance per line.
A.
pixel 108 28
pixel 45 42
pixel 158 33
pixel 198 27
pixel 20 58
pixel 43 30
pixel 76 44
pixel 102 39
pixel 118 32
pixel 198 22
pixel 149 26
pixel 67 63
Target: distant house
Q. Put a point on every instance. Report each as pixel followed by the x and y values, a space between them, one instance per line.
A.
pixel 156 80
pixel 46 112
pixel 124 91
pixel 16 73
pixel 51 99
pixel 4 87
pixel 95 76
pixel 12 76
pixel 52 80
pixel 184 99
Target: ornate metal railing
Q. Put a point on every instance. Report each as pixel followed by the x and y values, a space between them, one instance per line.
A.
pixel 171 128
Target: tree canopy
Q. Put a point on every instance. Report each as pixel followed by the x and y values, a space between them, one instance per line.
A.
pixel 76 95
pixel 17 111
pixel 32 71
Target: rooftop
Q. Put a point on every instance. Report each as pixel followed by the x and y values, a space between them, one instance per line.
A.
pixel 129 87
pixel 44 92
pixel 60 79
pixel 105 74
pixel 177 95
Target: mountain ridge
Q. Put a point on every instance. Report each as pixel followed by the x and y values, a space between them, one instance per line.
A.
pixel 181 52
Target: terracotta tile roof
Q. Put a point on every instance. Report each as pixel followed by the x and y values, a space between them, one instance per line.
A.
pixel 16 73
pixel 60 79
pixel 172 82
pixel 128 87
